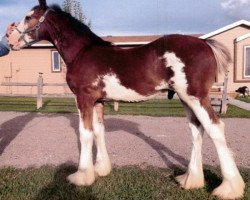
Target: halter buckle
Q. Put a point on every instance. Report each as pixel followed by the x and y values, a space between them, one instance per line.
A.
pixel 41 19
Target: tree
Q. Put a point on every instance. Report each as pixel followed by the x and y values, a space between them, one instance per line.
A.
pixel 67 6
pixel 75 9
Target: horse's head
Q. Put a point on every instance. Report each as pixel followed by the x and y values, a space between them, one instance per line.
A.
pixel 31 29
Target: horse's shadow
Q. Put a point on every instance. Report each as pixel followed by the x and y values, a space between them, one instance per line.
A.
pixel 116 124
pixel 59 188
pixel 11 128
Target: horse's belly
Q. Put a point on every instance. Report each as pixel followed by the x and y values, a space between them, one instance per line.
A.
pixel 116 91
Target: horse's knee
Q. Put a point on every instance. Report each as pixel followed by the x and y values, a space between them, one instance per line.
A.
pixel 197 132
pixel 86 136
pixel 98 129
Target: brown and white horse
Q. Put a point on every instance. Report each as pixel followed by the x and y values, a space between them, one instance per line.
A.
pixel 98 70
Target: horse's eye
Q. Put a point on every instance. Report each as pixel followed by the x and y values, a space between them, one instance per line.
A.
pixel 27 18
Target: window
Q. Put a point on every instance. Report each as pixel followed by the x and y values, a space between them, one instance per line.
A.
pixel 56 65
pixel 247 62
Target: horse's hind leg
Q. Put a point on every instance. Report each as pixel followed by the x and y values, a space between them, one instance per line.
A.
pixel 233 185
pixel 102 165
pixel 194 177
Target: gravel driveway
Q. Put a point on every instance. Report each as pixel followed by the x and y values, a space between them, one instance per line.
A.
pixel 34 139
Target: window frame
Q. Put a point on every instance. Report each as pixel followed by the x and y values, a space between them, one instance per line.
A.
pixel 244 66
pixel 53 69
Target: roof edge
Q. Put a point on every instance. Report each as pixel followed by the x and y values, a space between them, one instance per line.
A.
pixel 225 28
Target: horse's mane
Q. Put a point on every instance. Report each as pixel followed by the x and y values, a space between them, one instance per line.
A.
pixel 80 27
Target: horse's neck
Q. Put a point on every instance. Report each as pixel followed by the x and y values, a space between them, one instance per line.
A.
pixel 70 48
pixel 68 43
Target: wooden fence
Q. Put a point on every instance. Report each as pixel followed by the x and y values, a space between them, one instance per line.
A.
pixel 39 95
pixel 218 94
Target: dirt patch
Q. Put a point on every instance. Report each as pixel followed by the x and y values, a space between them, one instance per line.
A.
pixel 33 139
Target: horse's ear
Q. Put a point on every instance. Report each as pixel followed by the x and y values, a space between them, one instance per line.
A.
pixel 42 3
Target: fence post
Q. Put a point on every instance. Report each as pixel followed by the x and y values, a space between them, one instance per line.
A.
pixel 224 97
pixel 116 106
pixel 39 101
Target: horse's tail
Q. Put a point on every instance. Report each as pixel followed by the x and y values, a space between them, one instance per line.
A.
pixel 221 54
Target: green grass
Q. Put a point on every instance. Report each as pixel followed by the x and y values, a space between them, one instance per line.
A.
pixel 245 99
pixel 67 105
pixel 130 182
pixel 149 108
pixel 235 112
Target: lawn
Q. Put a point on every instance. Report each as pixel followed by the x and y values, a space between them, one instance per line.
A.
pixel 245 99
pixel 130 182
pixel 150 108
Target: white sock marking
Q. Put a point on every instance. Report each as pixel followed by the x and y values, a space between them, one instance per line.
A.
pixel 86 139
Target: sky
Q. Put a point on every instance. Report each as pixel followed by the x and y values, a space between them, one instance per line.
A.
pixel 143 17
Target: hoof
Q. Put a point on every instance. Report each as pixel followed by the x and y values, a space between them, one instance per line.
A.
pixel 82 178
pixel 230 189
pixel 102 169
pixel 190 181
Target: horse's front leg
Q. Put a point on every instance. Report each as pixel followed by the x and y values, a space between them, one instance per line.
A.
pixel 85 174
pixel 102 165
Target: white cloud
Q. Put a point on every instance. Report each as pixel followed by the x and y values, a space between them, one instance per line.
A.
pixel 234 4
pixel 236 9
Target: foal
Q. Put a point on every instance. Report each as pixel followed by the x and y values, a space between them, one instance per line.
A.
pixel 98 71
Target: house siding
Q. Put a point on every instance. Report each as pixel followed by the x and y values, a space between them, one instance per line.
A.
pixel 240 60
pixel 235 75
pixel 24 67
